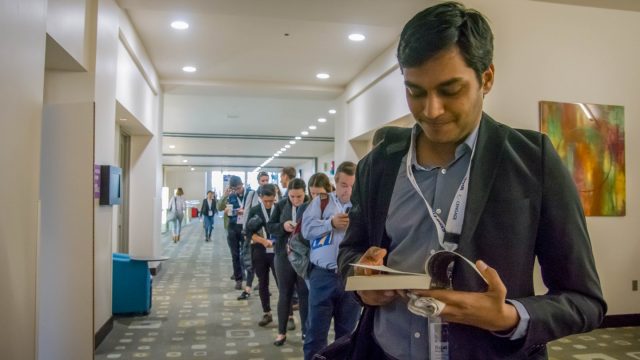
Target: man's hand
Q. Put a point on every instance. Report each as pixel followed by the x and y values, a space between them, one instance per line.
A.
pixel 240 211
pixel 374 256
pixel 487 310
pixel 340 221
pixel 289 226
pixel 227 191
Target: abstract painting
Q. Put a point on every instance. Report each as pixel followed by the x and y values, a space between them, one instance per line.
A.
pixel 590 141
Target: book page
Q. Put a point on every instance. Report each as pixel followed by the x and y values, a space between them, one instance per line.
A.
pixel 384 269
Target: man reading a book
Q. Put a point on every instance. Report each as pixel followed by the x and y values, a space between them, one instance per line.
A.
pixel 461 181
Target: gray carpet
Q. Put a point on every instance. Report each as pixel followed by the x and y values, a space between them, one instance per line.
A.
pixel 195 315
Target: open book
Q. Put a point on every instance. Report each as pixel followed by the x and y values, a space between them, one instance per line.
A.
pixel 435 276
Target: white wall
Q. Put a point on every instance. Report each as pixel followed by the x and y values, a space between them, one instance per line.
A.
pixel 105 231
pixel 544 51
pixel 22 24
pixel 65 287
pixel 193 183
pixel 66 24
pixel 326 158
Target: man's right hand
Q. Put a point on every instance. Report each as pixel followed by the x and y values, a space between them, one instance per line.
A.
pixel 341 222
pixel 374 256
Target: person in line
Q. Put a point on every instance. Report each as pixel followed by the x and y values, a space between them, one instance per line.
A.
pixel 178 206
pixel 245 252
pixel 287 174
pixel 282 223
pixel 232 203
pixel 298 247
pixel 325 229
pixel 262 247
pixel 208 210
pixel 461 181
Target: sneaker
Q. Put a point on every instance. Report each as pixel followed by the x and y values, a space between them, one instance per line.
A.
pixel 291 325
pixel 244 296
pixel 266 320
pixel 239 285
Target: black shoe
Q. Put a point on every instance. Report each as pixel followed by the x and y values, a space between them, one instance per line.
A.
pixel 280 342
pixel 238 284
pixel 232 277
pixel 266 320
pixel 304 336
pixel 291 325
pixel 244 296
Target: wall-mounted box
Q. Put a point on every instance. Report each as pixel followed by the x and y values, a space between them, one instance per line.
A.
pixel 110 185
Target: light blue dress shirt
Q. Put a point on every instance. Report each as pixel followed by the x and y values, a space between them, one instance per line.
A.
pixel 400 333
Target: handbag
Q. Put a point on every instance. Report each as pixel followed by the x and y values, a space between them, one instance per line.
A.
pixel 172 212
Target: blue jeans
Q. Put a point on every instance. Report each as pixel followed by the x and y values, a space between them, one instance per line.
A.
pixel 328 300
pixel 177 224
pixel 208 226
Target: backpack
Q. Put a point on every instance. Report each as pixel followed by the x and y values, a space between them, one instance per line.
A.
pixel 298 247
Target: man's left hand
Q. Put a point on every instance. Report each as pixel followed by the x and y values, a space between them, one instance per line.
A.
pixel 487 310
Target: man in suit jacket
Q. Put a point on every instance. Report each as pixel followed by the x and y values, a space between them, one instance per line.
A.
pixel 461 181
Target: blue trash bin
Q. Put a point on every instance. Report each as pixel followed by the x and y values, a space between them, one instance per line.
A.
pixel 131 293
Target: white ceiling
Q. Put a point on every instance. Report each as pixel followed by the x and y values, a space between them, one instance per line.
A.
pixel 253 81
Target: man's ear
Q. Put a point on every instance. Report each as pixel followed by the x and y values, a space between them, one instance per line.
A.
pixel 487 79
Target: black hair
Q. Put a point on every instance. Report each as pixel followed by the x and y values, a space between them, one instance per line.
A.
pixel 267 190
pixel 441 27
pixel 297 183
pixel 261 174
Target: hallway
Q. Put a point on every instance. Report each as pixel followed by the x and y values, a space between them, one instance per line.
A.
pixel 195 314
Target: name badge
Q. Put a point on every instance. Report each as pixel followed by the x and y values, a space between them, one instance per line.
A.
pixel 438 339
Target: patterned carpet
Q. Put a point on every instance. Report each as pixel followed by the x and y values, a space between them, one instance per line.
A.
pixel 195 315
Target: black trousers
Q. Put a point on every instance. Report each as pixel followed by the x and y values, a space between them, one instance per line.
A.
pixel 288 280
pixel 234 240
pixel 262 263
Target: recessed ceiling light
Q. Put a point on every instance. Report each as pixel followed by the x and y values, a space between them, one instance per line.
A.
pixel 287 146
pixel 123 119
pixel 292 142
pixel 322 76
pixel 193 169
pixel 179 25
pixel 298 137
pixel 172 146
pixel 312 127
pixel 332 111
pixel 356 37
pixel 276 154
pixel 305 133
pixel 189 69
pixel 322 120
pixel 185 160
pixel 283 149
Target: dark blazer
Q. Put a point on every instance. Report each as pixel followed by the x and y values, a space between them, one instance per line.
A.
pixel 522 204
pixel 204 209
pixel 280 214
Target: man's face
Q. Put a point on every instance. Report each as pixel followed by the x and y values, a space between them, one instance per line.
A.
pixel 296 196
pixel 239 189
pixel 263 180
pixel 445 97
pixel 344 186
pixel 268 201
pixel 284 180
